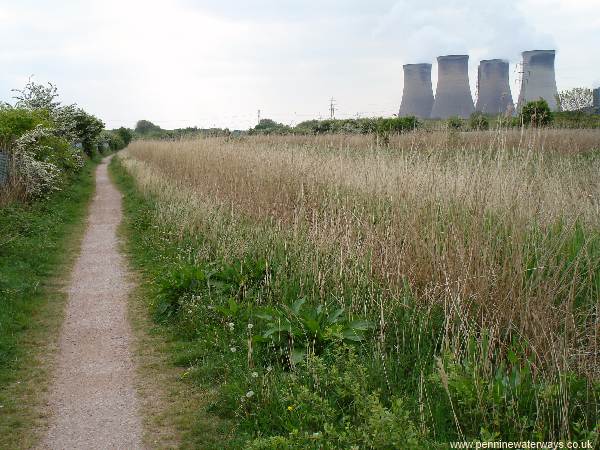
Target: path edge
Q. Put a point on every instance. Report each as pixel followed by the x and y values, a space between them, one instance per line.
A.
pixel 41 343
pixel 168 404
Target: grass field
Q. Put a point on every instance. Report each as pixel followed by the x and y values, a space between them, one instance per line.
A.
pixel 338 293
pixel 37 243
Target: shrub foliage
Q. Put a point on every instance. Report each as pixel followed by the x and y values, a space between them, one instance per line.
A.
pixel 46 141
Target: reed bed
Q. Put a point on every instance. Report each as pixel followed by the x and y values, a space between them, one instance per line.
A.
pixel 498 229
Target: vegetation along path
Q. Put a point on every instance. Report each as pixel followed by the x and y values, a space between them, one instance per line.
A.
pixel 93 401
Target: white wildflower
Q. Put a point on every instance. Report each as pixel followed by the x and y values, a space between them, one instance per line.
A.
pixel 249 394
pixel 254 374
pixel 233 349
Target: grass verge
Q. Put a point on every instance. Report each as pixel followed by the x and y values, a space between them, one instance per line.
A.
pixel 175 409
pixel 38 245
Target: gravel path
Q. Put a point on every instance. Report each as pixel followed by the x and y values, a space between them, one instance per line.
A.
pixel 93 402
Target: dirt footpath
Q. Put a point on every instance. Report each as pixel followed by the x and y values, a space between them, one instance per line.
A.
pixel 93 402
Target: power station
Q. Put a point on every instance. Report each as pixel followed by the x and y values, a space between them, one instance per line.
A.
pixel 417 94
pixel 538 78
pixel 453 93
pixel 493 87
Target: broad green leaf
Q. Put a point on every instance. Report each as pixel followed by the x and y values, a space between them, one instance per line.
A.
pixel 312 325
pixel 298 305
pixel 233 306
pixel 362 325
pixel 297 355
pixel 352 336
pixel 271 331
pixel 335 315
pixel 319 310
pixel 264 316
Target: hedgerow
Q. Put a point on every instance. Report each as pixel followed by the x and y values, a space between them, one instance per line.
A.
pixel 46 142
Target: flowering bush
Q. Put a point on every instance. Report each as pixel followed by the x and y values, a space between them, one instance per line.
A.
pixel 39 133
pixel 36 177
pixel 40 161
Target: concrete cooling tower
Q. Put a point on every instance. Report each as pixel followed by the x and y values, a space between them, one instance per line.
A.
pixel 539 80
pixel 417 95
pixel 494 96
pixel 453 94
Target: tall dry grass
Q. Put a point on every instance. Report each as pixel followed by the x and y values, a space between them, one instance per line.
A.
pixel 499 227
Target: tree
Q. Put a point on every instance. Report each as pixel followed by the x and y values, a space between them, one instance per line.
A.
pixel 113 139
pixel 576 99
pixel 37 96
pixel 125 134
pixel 146 127
pixel 87 129
pixel 268 126
pixel 67 122
pixel 536 113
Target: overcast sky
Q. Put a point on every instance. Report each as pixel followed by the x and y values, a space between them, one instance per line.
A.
pixel 216 62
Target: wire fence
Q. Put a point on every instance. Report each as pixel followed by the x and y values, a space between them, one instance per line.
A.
pixel 3 168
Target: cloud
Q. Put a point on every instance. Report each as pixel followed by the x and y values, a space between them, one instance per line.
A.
pixel 425 29
pixel 290 10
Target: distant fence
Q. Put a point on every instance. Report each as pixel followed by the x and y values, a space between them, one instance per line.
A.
pixel 3 168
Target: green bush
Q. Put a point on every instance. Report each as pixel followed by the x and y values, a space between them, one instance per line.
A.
pixel 145 128
pixel 88 129
pixel 40 136
pixel 113 139
pixel 14 122
pixel 455 123
pixel 536 113
pixel 575 119
pixel 290 333
pixel 125 134
pixel 397 125
pixel 479 121
pixel 268 126
pixel 61 154
pixel 328 403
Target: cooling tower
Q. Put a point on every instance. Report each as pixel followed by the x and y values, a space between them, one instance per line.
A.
pixel 538 80
pixel 493 86
pixel 453 94
pixel 417 95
